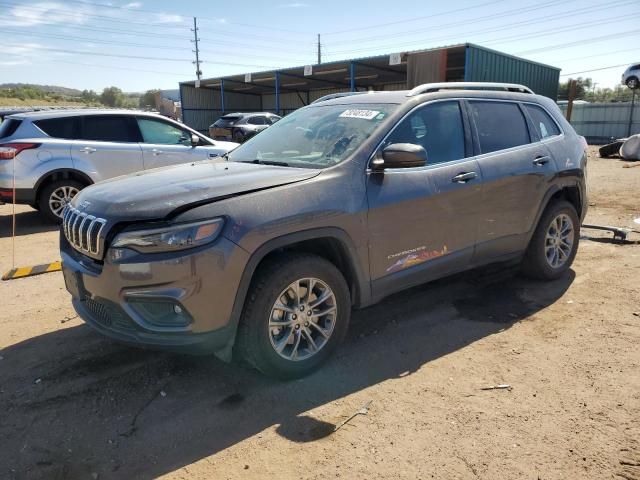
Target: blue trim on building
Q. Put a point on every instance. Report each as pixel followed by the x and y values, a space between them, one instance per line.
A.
pixel 277 93
pixel 222 95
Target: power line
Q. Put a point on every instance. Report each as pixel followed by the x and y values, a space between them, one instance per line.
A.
pixel 552 31
pixel 579 42
pixel 598 55
pixel 135 57
pixel 90 40
pixel 413 19
pixel 156 12
pixel 517 11
pixel 104 18
pixel 595 69
pixel 111 67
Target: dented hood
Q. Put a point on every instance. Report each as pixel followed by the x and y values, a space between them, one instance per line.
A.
pixel 156 194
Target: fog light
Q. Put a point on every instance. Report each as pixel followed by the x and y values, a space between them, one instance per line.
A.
pixel 161 313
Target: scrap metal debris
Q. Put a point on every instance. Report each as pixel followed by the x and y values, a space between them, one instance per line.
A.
pixel 363 411
pixel 502 386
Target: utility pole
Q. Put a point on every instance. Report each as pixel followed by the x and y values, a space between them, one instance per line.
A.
pixel 319 51
pixel 197 50
pixel 573 84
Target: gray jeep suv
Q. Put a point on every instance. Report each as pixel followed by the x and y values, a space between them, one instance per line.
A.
pixel 335 206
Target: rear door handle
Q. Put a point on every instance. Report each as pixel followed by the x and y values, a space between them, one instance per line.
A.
pixel 542 160
pixel 156 152
pixel 464 177
pixel 88 150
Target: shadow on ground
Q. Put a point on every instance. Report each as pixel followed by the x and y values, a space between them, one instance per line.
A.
pixel 75 404
pixel 26 223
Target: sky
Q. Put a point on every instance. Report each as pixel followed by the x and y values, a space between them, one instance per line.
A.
pixel 141 45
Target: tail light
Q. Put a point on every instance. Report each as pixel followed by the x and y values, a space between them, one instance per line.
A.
pixel 18 147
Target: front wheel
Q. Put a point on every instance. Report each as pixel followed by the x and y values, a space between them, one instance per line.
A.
pixel 55 196
pixel 632 83
pixel 297 313
pixel 554 244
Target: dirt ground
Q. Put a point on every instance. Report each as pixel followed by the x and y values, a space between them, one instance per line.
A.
pixel 76 405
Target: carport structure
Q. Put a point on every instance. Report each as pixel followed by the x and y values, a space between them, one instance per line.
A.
pixel 282 91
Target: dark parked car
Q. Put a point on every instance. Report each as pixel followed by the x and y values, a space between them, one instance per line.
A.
pixel 337 206
pixel 241 126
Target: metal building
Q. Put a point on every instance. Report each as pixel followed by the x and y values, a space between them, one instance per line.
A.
pixel 285 90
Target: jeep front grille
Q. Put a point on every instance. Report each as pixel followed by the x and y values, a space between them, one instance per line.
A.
pixel 83 231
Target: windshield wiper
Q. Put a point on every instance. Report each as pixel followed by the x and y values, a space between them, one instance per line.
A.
pixel 266 162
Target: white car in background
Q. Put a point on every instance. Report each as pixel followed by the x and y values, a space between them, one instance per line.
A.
pixel 631 76
pixel 61 152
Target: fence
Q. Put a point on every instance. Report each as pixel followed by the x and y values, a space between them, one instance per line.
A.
pixel 600 122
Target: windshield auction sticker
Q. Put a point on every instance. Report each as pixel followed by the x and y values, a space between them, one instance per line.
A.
pixel 364 114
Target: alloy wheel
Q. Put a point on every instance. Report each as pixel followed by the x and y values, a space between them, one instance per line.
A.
pixel 60 197
pixel 302 319
pixel 559 240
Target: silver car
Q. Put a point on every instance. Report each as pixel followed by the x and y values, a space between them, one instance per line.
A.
pixel 631 76
pixel 61 152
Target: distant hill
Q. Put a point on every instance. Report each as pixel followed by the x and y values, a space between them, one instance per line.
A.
pixel 67 92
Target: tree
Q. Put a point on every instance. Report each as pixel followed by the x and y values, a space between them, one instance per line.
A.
pixel 583 85
pixel 89 96
pixel 112 97
pixel 148 99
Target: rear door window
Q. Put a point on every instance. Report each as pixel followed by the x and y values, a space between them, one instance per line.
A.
pixel 9 127
pixel 154 131
pixel 437 127
pixel 65 127
pixel 224 122
pixel 543 123
pixel 110 128
pixel 500 125
pixel 260 120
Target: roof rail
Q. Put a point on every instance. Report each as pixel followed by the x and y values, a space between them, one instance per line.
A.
pixel 331 96
pixel 435 87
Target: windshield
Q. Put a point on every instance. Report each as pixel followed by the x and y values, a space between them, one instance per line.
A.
pixel 314 137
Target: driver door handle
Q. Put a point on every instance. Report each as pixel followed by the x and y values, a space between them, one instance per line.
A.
pixel 541 160
pixel 464 177
pixel 156 152
pixel 88 150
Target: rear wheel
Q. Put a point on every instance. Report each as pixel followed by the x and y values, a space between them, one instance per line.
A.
pixel 297 313
pixel 555 242
pixel 55 196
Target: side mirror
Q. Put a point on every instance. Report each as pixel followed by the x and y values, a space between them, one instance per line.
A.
pixel 195 140
pixel 401 155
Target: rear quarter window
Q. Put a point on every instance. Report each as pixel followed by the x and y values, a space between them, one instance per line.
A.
pixel 500 125
pixel 543 124
pixel 9 127
pixel 110 128
pixel 65 127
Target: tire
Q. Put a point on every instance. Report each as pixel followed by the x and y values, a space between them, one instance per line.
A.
pixel 238 137
pixel 257 341
pixel 632 83
pixel 537 263
pixel 609 150
pixel 50 207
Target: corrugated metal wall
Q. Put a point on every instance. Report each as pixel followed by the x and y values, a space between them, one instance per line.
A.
pixel 201 106
pixel 484 65
pixel 599 122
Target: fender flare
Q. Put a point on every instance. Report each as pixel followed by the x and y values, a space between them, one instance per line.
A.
pixel 64 172
pixel 553 189
pixel 361 283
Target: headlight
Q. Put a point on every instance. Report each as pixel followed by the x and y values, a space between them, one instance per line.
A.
pixel 171 238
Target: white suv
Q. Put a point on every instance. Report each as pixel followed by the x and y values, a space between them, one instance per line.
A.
pixel 631 77
pixel 61 152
